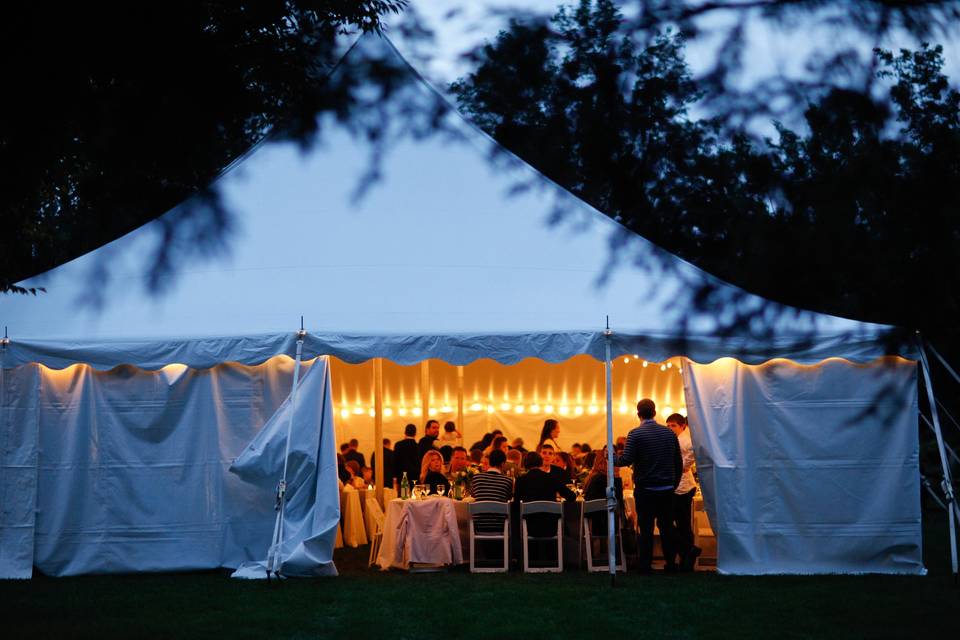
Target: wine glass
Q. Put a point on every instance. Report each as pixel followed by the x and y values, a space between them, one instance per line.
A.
pixel 441 489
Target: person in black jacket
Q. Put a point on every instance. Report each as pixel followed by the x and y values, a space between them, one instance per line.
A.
pixel 431 431
pixel 406 457
pixel 538 484
pixel 352 453
pixel 387 463
pixel 431 472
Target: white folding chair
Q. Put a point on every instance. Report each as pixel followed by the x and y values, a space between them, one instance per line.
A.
pixel 530 508
pixel 376 536
pixel 494 508
pixel 600 506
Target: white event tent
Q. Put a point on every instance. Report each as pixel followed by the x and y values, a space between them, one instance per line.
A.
pixel 121 411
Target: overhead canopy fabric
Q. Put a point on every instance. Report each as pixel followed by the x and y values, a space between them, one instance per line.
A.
pixel 442 257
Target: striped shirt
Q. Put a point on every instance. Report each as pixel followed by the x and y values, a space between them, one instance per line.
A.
pixel 490 485
pixel 655 454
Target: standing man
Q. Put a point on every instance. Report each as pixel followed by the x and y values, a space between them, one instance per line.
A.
pixel 352 454
pixel 430 433
pixel 406 458
pixel 387 463
pixel 683 496
pixel 654 452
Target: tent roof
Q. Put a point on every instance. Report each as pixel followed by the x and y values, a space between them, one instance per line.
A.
pixel 458 251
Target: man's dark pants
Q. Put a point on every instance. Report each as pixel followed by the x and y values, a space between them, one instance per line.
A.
pixel 654 506
pixel 681 518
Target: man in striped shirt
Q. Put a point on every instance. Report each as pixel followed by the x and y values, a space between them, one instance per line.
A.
pixel 654 452
pixel 491 485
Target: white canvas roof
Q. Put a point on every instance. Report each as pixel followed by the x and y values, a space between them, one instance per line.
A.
pixel 442 257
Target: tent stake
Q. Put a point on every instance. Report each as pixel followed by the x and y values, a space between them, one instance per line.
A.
pixel 947 480
pixel 611 492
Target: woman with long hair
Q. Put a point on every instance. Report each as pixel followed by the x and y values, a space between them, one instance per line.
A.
pixel 549 434
pixel 596 487
pixel 431 470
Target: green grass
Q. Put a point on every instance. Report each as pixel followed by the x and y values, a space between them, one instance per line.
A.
pixel 362 603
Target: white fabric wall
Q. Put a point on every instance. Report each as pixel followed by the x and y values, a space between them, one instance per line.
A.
pixel 131 467
pixel 809 469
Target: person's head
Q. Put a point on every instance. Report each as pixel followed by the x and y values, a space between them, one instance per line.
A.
pixel 410 430
pixel 432 428
pixel 532 460
pixel 484 462
pixel 550 430
pixel 621 442
pixel 562 459
pixel 547 454
pixel 476 455
pixel 497 458
pixel 575 449
pixel 585 448
pixel 354 443
pixel 499 443
pixel 344 447
pixel 432 461
pixel 677 423
pixel 590 459
pixel 458 460
pixel 367 474
pixel 386 443
pixel 449 426
pixel 486 440
pixel 515 457
pixel 646 409
pixel 517 443
pixel 353 467
pixel 496 432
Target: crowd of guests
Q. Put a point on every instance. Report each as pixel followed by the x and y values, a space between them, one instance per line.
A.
pixel 495 468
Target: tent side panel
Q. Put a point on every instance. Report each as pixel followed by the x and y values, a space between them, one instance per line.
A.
pixel 809 469
pixel 133 470
pixel 18 469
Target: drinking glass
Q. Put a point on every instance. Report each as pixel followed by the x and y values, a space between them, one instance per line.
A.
pixel 441 489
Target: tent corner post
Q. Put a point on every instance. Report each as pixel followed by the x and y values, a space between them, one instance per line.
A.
pixel 952 514
pixel 611 491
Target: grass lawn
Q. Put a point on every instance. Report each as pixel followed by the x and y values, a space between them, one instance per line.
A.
pixel 363 603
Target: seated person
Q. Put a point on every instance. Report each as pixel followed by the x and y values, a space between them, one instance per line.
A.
pixel 595 488
pixel 551 465
pixel 367 474
pixel 539 484
pixel 431 471
pixel 492 485
pixel 514 463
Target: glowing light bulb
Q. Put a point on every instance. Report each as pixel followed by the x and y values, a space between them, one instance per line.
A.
pixel 594 409
pixel 623 409
pixel 402 411
pixel 372 412
pixel 534 408
pixel 669 365
pixel 645 363
pixel 417 411
pixel 667 411
pixel 344 413
pixel 578 410
pixel 433 411
pixel 387 412
pixel 476 406
pixel 548 408
pixel 663 367
pixel 490 408
pixel 682 411
pixel 564 410
pixel 636 357
pixel 679 369
pixel 626 361
pixel 358 410
pixel 446 409
pixel 505 406
pixel 519 408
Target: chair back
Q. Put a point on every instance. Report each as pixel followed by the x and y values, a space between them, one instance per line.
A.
pixel 593 506
pixel 489 506
pixel 541 506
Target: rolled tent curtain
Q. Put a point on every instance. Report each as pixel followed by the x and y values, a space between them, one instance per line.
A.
pixel 809 469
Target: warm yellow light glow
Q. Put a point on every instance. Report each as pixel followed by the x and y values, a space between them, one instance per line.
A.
pixel 682 411
pixel 417 411
pixel 645 363
pixel 505 406
pixel 626 361
pixel 534 408
pixel 358 410
pixel 564 410
pixel 667 410
pixel 663 367
pixel 594 409
pixel 548 408
pixel 623 409
pixel 679 369
pixel 669 364
pixel 433 411
pixel 446 409
pixel 476 406
pixel 344 413
pixel 402 411
pixel 519 408
pixel 578 410
pixel 490 408
pixel 387 412
pixel 636 357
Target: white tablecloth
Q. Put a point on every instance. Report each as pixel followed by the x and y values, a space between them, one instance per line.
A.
pixel 372 511
pixel 351 516
pixel 420 531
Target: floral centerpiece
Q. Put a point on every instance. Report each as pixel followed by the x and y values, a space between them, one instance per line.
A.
pixel 460 481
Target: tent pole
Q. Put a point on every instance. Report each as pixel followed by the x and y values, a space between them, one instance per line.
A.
pixel 460 425
pixel 378 426
pixel 947 480
pixel 274 555
pixel 425 390
pixel 611 492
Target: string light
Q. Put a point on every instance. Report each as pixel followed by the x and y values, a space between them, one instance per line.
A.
pixel 669 364
pixel 623 409
pixel 402 411
pixel 372 412
pixel 344 413
pixel 387 412
pixel 433 411
pixel 663 367
pixel 646 364
pixel 626 360
pixel 358 410
pixel 548 408
pixel 578 411
pixel 417 411
pixel 534 408
pixel 446 409
pixel 564 410
pixel 519 408
pixel 476 406
pixel 489 408
pixel 505 406
pixel 594 409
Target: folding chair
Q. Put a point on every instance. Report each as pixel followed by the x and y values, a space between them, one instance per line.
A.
pixel 376 536
pixel 600 506
pixel 490 507
pixel 529 508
